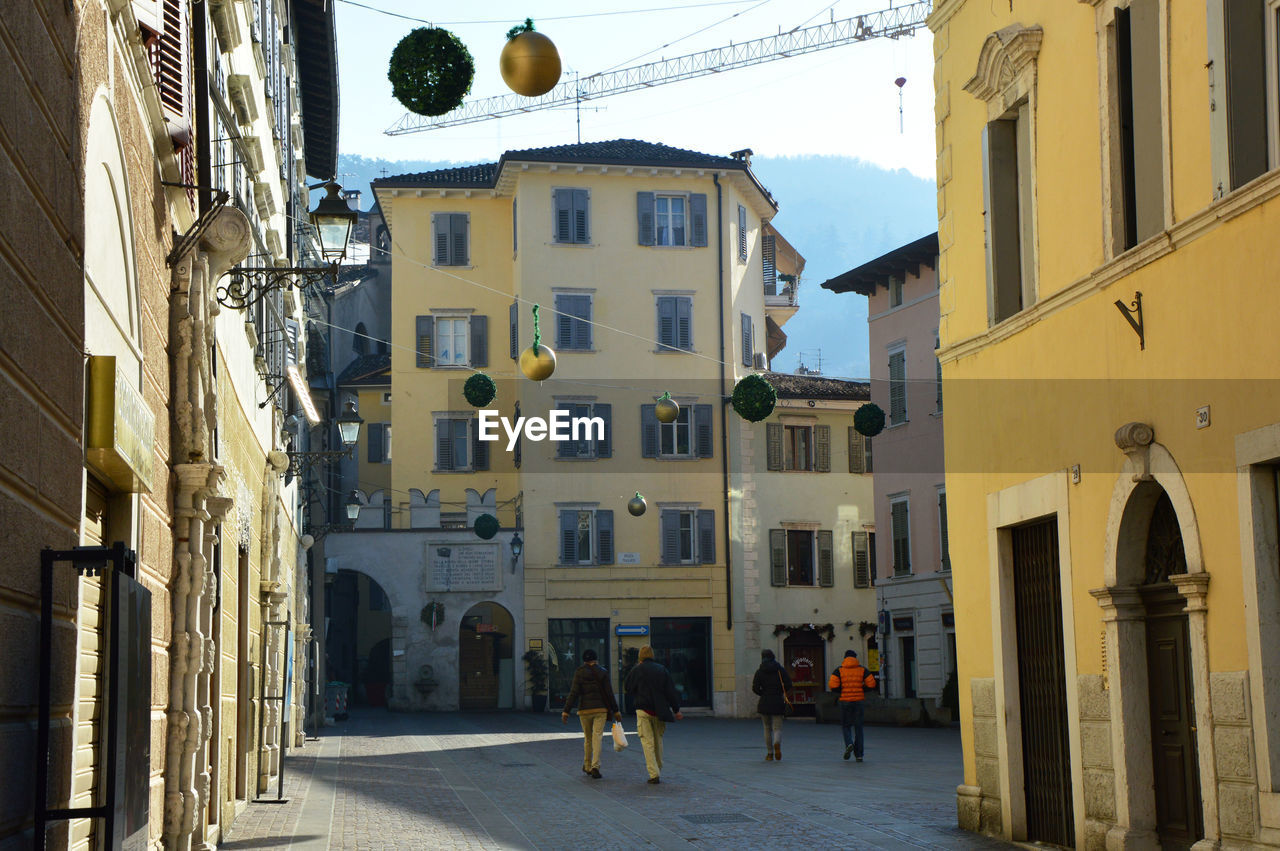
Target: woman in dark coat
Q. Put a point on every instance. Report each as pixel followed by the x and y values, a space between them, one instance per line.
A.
pixel 772 683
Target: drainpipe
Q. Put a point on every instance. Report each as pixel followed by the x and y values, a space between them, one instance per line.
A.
pixel 724 413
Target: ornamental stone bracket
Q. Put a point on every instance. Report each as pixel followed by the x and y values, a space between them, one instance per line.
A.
pixel 1134 440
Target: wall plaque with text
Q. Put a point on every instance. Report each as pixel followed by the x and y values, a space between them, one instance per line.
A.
pixel 463 567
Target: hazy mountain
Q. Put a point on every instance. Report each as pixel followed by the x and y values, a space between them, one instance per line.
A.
pixel 838 211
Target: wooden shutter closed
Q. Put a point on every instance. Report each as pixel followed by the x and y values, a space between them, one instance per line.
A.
pixel 942 530
pixel 747 349
pixel 440 246
pixel 375 441
pixel 698 218
pixel 169 59
pixel 565 448
pixel 444 444
pixel 769 263
pixel 742 233
pixel 702 431
pixel 604 446
pixel 563 203
pixel 667 322
pixel 479 341
pixel 648 431
pixel 778 557
pixel 604 536
pixel 513 329
pixel 645 226
pixel 515 230
pixel 861 561
pixel 707 536
pixel 426 328
pixel 857 452
pixel 897 387
pixel 822 448
pixel 479 451
pixel 826 559
pixel 568 537
pixel 773 446
pixel 901 538
pixel 684 323
pixel 670 536
pixel 581 218
pixel 866 449
pixel 458 247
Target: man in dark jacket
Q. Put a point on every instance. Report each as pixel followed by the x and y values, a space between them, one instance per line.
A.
pixel 772 683
pixel 593 694
pixel 654 693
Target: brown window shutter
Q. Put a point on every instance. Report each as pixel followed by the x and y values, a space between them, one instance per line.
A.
pixel 168 59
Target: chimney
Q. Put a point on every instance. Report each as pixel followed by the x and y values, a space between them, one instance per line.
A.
pixel 743 156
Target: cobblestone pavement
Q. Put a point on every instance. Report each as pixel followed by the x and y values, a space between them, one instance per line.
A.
pixel 514 780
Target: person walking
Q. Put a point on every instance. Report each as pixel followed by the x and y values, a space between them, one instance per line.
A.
pixel 654 693
pixel 593 694
pixel 772 683
pixel 851 679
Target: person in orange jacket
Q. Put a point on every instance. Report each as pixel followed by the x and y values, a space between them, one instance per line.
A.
pixel 850 679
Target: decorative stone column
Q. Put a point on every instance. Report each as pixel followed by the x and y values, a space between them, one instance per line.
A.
pixel 1194 587
pixel 224 240
pixel 1124 618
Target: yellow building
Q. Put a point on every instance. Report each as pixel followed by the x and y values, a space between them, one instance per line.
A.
pixel 1107 197
pixel 661 251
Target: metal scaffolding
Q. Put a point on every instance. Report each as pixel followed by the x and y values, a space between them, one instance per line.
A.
pixel 888 23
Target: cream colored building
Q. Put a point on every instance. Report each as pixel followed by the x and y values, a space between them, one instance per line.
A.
pixel 1108 183
pixel 661 250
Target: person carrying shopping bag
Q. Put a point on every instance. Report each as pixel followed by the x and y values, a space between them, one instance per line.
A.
pixel 657 702
pixel 593 694
pixel 772 683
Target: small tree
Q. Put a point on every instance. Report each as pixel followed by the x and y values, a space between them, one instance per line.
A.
pixel 537 669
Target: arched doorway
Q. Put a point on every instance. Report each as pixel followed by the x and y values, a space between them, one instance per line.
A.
pixel 804 654
pixel 486 644
pixel 358 645
pixel 1170 691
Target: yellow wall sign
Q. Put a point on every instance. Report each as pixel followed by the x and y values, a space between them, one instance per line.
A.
pixel 121 428
pixel 873 659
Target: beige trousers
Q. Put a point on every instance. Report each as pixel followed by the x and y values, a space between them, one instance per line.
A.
pixel 651 728
pixel 592 731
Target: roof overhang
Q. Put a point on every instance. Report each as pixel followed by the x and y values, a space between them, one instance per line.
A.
pixel 900 262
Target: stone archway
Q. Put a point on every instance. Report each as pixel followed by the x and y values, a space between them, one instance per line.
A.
pixel 486 666
pixel 358 645
pixel 1150 485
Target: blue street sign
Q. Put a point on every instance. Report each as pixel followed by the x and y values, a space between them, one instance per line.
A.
pixel 637 629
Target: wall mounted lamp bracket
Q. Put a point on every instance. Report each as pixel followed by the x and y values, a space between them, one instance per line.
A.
pixel 1128 312
pixel 245 287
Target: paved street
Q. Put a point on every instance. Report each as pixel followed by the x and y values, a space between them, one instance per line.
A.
pixel 514 780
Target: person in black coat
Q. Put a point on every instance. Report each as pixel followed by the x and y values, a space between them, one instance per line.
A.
pixel 657 702
pixel 593 694
pixel 772 683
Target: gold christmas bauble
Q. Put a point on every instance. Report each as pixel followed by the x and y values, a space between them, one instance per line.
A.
pixel 667 410
pixel 637 505
pixel 540 366
pixel 530 64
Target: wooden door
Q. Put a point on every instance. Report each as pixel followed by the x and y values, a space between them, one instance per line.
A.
pixel 1173 731
pixel 477 674
pixel 1042 686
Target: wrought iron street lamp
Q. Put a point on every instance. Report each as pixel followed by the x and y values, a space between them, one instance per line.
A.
pixel 349 423
pixel 353 507
pixel 517 547
pixel 333 220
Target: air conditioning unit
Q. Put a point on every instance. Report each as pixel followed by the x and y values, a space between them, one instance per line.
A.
pixel 759 361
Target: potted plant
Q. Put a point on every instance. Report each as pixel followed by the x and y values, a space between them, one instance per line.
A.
pixel 536 666
pixel 630 658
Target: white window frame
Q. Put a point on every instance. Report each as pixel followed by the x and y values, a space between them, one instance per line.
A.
pixel 659 216
pixel 438 321
pixel 690 514
pixel 673 428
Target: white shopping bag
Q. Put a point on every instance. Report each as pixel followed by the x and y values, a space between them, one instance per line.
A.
pixel 619 736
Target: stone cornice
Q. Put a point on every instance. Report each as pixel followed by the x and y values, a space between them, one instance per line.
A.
pixel 1004 56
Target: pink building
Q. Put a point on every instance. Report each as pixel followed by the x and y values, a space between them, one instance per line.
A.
pixel 909 553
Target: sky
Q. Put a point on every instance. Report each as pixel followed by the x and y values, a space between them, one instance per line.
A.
pixel 840 101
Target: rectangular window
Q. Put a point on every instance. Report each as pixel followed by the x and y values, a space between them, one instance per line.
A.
pixel 458 445
pixel 669 220
pixel 897 387
pixel 675 438
pixel 899 516
pixel 572 217
pixel 587 440
pixel 688 536
pixel 1007 199
pixel 943 545
pixel 586 536
pixel 800 551
pixel 800 557
pixel 573 313
pixel 689 436
pixel 895 291
pixel 1138 187
pixel 797 448
pixel 450 239
pixel 1247 86
pixel 675 323
pixel 742 233
pixel 451 346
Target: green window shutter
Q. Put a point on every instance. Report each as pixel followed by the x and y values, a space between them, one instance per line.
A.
pixel 857 452
pixel 479 341
pixel 426 328
pixel 777 557
pixel 747 349
pixel 861 561
pixel 698 219
pixel 773 446
pixel 901 538
pixel 513 320
pixel 897 388
pixel 826 559
pixel 742 233
pixel 822 448
pixel 645 218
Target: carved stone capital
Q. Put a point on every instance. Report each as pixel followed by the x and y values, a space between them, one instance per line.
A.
pixel 228 239
pixel 218 506
pixel 1194 587
pixel 1134 440
pixel 1119 603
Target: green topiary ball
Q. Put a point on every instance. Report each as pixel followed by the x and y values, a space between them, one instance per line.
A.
pixel 479 390
pixel 430 71
pixel 869 419
pixel 754 398
pixel 486 526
